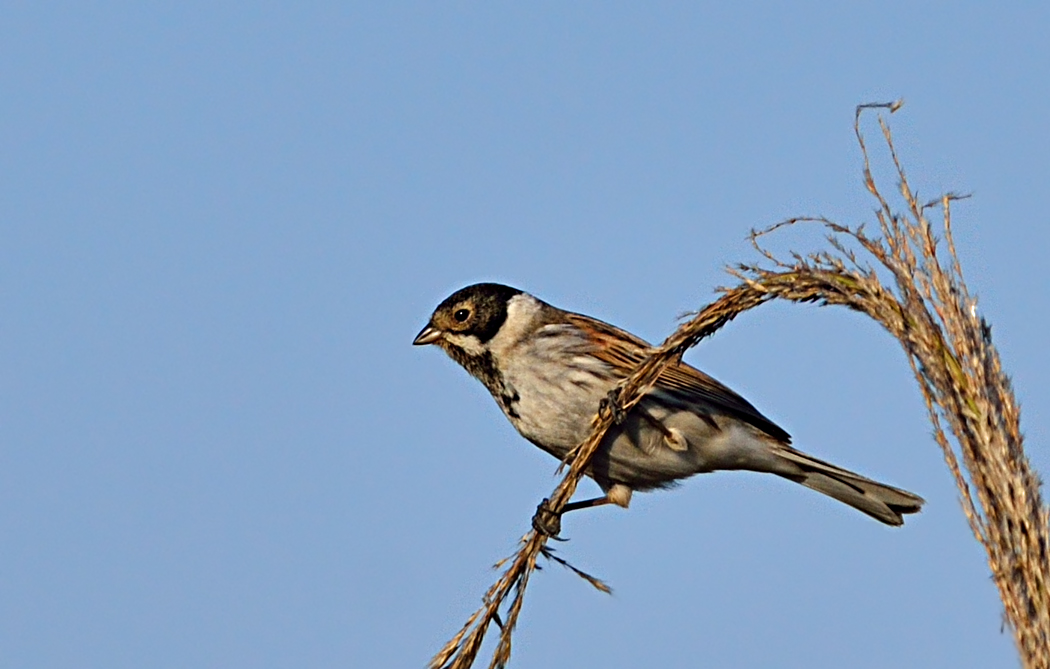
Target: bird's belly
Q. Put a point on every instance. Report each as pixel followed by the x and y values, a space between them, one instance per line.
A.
pixel 640 455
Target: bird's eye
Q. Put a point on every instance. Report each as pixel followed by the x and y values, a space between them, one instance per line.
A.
pixel 461 315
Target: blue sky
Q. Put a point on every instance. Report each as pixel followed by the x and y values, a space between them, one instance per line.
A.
pixel 221 226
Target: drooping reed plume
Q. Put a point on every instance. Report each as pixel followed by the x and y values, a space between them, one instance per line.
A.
pixel 924 303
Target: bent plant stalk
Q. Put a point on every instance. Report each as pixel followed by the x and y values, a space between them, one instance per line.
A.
pixel 949 347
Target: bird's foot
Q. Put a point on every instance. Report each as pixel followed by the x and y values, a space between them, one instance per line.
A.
pixel 610 405
pixel 546 522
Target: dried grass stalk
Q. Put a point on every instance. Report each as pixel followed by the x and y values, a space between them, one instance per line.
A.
pixel 949 347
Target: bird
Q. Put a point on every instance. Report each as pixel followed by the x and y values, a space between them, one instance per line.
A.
pixel 549 370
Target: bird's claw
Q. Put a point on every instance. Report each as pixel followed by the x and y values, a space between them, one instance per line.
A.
pixel 610 406
pixel 546 522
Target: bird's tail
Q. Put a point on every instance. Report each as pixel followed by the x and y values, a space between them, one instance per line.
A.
pixel 880 501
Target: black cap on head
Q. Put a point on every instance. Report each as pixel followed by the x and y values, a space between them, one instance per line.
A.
pixel 478 310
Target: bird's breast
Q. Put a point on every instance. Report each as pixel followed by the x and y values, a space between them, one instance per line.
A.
pixel 555 399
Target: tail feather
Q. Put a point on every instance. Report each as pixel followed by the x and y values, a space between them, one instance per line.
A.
pixel 880 501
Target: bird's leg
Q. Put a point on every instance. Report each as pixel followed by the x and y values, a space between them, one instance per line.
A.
pixel 548 523
pixel 587 503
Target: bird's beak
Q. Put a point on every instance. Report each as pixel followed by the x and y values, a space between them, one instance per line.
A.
pixel 427 335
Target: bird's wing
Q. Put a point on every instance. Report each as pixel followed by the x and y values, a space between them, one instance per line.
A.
pixel 624 351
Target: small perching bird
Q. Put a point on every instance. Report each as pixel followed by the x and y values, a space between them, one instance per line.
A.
pixel 549 369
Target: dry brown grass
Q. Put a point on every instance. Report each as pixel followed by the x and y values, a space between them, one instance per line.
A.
pixel 929 310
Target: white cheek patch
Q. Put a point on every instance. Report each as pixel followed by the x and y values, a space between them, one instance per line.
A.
pixel 469 343
pixel 521 313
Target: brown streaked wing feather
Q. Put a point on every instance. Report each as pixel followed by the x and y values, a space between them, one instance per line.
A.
pixel 624 352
